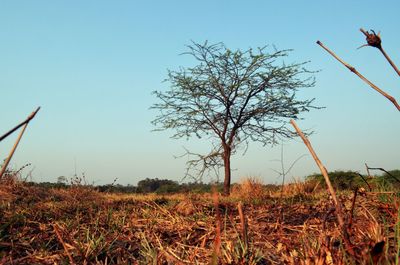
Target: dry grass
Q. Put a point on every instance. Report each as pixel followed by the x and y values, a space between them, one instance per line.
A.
pixel 250 189
pixel 81 226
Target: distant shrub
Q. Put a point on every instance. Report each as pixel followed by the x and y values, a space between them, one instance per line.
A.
pixel 342 180
pixel 152 185
pixel 200 188
pixel 118 188
pixel 168 188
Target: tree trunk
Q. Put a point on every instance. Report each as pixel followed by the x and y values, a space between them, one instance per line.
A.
pixel 227 167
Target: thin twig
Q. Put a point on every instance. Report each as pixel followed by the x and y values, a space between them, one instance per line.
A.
pixel 352 69
pixel 217 240
pixel 374 40
pixel 353 204
pixel 366 182
pixel 71 260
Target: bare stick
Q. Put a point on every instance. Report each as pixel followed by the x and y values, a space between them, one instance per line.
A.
pixel 369 175
pixel 217 240
pixel 374 40
pixel 353 204
pixel 382 169
pixel 3 169
pixel 30 117
pixel 324 172
pixel 338 208
pixel 352 69
pixel 366 182
pixel 244 225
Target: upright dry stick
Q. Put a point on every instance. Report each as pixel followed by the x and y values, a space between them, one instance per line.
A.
pixel 3 169
pixel 339 213
pixel 244 226
pixel 374 40
pixel 217 240
pixel 369 175
pixel 352 69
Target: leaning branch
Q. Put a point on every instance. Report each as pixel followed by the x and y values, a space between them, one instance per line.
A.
pixel 324 172
pixel 352 69
pixel 30 117
pixel 387 172
pixel 25 124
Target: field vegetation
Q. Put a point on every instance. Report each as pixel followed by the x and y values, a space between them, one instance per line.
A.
pixel 75 223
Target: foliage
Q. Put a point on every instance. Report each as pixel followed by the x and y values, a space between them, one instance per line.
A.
pixel 152 185
pixel 231 98
pixel 342 180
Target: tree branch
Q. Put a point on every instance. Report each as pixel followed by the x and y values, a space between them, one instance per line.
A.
pixel 353 70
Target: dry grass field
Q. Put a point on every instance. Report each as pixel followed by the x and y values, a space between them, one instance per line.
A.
pixel 80 225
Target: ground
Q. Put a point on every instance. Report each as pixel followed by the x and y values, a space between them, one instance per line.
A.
pixel 79 225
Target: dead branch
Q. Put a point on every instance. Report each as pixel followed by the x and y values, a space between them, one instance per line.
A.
pixel 324 172
pixel 352 69
pixel 369 175
pixel 201 164
pixel 71 260
pixel 25 124
pixel 243 226
pixel 217 240
pixel 338 208
pixel 366 182
pixel 382 169
pixel 30 117
pixel 353 204
pixel 374 40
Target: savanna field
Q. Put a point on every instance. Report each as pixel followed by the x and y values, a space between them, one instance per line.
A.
pixel 257 224
pixel 103 73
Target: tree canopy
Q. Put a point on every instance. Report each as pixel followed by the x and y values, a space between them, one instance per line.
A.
pixel 232 98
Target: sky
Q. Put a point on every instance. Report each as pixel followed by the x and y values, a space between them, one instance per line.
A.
pixel 92 65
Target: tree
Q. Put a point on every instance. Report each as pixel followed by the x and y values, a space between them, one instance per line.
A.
pixel 232 97
pixel 62 180
pixel 153 185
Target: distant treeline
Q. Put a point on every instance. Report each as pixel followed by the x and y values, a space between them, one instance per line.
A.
pixel 341 180
pixel 160 186
pixel 345 180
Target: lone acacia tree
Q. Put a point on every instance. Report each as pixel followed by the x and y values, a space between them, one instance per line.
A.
pixel 232 97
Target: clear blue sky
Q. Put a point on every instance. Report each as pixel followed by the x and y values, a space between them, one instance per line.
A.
pixel 92 65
